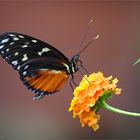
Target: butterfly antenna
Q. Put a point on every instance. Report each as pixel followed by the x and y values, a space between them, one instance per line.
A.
pixel 96 37
pixel 85 34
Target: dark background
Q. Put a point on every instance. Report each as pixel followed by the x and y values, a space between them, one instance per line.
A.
pixel 62 24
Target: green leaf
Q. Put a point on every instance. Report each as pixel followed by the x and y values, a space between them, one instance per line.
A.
pixel 136 62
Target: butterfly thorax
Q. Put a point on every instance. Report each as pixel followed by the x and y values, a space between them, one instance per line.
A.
pixel 75 64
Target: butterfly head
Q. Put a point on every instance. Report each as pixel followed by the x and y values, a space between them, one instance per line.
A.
pixel 75 63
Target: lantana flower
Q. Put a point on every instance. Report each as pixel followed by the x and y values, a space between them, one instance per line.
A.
pixel 91 95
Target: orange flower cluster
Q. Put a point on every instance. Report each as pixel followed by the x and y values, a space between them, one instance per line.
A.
pixel 87 94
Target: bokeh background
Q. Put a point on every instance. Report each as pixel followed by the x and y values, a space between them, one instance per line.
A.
pixel 62 24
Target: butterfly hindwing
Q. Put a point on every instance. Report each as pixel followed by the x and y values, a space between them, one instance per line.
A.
pixel 44 76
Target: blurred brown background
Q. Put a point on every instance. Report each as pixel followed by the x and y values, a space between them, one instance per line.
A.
pixel 62 24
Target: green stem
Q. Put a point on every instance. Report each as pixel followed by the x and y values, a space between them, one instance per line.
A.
pixel 116 110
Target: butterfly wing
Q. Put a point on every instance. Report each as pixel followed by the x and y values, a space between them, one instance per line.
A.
pixel 42 68
pixel 17 48
pixel 43 76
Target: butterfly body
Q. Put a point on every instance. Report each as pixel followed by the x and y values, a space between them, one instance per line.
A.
pixel 42 68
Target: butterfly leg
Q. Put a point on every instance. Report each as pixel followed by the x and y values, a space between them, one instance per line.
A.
pixel 72 82
pixel 81 66
pixel 71 86
pixel 84 69
pixel 39 95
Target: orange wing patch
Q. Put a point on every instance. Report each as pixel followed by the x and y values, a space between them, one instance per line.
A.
pixel 48 80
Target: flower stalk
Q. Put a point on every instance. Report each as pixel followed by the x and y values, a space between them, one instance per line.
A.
pixel 119 111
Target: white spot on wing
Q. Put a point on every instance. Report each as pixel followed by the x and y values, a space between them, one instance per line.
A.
pixel 34 90
pixel 16 54
pixel 15 38
pixel 12 43
pixel 34 41
pixel 21 36
pixel 26 66
pixel 24 73
pixel 2 52
pixel 7 49
pixel 40 53
pixel 18 67
pixel 1 46
pixel 43 50
pixel 6 58
pixel 24 57
pixel 5 40
pixel 14 62
pixel 11 35
pixel 24 46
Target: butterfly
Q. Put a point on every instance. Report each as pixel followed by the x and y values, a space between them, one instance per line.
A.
pixel 42 68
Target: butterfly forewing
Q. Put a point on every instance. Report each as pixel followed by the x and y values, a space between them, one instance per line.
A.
pixel 18 48
pixel 42 68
